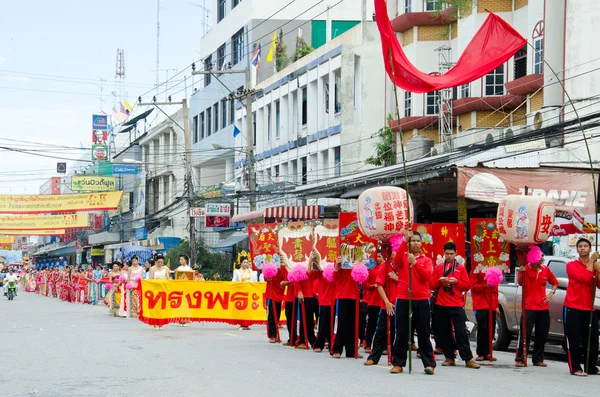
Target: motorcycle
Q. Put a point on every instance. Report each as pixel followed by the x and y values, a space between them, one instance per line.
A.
pixel 11 290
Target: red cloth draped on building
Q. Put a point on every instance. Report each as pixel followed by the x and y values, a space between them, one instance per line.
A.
pixel 493 44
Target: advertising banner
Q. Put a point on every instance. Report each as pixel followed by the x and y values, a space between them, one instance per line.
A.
pixel 44 222
pixel 93 183
pixel 264 246
pixel 42 204
pixel 567 189
pixel 7 239
pixel 100 122
pixel 52 232
pixel 120 169
pixel 488 248
pixel 99 152
pixel 174 301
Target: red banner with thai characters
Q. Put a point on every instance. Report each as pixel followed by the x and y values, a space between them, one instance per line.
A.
pixel 488 248
pixel 352 241
pixel 264 247
pixel 449 232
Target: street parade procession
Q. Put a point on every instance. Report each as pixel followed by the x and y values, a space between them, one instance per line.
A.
pixel 255 196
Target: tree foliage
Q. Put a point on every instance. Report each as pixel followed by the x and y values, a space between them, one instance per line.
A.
pixel 302 49
pixel 281 58
pixel 384 148
pixel 210 262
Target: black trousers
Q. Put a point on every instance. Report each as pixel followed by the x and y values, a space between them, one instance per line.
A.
pixel 362 321
pixel 380 340
pixel 576 323
pixel 304 317
pixel 452 332
pixel 315 307
pixel 289 320
pixel 325 327
pixel 421 322
pixel 541 320
pixel 483 330
pixel 345 333
pixel 273 316
pixel 372 320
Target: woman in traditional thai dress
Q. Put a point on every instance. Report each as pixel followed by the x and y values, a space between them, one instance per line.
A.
pixel 124 305
pixel 245 275
pixel 136 273
pixel 113 298
pixel 65 289
pixel 159 272
pixel 94 282
pixel 74 285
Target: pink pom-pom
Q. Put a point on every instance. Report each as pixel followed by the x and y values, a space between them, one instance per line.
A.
pixel 122 279
pixel 493 276
pixel 129 286
pixel 534 255
pixel 269 270
pixel 328 273
pixel 298 273
pixel 77 287
pixel 396 241
pixel 360 273
pixel 108 286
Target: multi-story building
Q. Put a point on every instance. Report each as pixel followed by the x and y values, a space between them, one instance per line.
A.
pixel 238 27
pixel 315 119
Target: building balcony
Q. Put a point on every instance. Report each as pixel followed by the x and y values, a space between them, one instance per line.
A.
pixel 412 122
pixel 479 104
pixel 525 85
pixel 426 18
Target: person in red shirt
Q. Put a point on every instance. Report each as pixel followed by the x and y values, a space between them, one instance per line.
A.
pixel 289 304
pixel 346 290
pixel 578 303
pixel 450 281
pixel 485 303
pixel 275 294
pixel 373 300
pixel 534 277
pixel 410 259
pixel 326 296
pixel 385 284
pixel 304 295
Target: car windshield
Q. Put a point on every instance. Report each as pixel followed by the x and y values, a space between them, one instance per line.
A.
pixel 559 268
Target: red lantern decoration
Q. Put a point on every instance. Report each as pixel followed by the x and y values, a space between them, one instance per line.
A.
pixel 383 212
pixel 524 220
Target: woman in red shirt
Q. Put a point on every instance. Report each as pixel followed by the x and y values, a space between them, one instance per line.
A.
pixel 582 274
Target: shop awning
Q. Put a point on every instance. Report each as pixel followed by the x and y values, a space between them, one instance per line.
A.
pixel 228 243
pixel 247 216
pixel 300 213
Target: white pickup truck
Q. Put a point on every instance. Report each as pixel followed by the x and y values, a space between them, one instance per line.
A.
pixel 509 299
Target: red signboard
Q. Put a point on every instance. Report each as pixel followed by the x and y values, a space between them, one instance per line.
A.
pixel 217 221
pixel 295 243
pixel 326 238
pixel 488 248
pixel 427 239
pixel 449 232
pixel 264 247
pixel 353 239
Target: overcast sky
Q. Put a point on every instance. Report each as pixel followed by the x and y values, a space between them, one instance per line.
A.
pixel 73 44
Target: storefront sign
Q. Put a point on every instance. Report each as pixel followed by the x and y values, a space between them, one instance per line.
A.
pixel 164 302
pixel 93 183
pixel 197 212
pixel 40 204
pixel 54 232
pixel 44 222
pixel 97 251
pixel 7 239
pixel 218 209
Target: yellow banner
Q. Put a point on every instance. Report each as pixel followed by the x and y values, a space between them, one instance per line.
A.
pixel 165 302
pixel 97 252
pixel 6 239
pixel 54 232
pixel 93 183
pixel 44 222
pixel 52 203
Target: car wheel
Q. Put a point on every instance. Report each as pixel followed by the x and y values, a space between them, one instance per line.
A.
pixel 502 337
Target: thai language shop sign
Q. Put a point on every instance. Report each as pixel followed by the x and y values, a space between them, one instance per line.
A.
pixel 93 183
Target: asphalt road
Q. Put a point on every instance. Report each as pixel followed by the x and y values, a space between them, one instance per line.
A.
pixel 51 348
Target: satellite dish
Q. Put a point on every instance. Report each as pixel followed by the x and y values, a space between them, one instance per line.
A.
pixel 537 121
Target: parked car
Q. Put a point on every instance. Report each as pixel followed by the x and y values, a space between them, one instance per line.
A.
pixel 509 302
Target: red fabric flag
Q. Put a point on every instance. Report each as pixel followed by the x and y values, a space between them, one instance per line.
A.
pixel 494 43
pixel 449 232
pixel 488 248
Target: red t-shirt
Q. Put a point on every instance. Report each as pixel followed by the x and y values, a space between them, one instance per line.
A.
pixel 370 293
pixel 445 298
pixel 306 286
pixel 581 285
pixel 289 291
pixel 326 291
pixel 345 286
pixel 421 273
pixel 535 286
pixel 275 291
pixel 389 286
pixel 484 297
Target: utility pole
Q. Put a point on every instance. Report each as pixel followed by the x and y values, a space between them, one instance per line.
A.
pixel 188 167
pixel 247 92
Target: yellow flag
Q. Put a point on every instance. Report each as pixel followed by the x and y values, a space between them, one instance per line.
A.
pixel 272 49
pixel 128 106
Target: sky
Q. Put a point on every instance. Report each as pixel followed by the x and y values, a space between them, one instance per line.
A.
pixel 53 55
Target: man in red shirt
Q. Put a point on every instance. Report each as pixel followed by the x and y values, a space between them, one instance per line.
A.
pixel 275 294
pixel 485 303
pixel 409 259
pixel 373 300
pixel 326 294
pixel 534 277
pixel 385 284
pixel 289 305
pixel 578 303
pixel 304 297
pixel 450 281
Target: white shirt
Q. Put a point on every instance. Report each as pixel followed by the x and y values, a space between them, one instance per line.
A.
pixel 11 277
pixel 184 268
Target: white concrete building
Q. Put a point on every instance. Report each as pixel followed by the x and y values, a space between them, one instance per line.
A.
pixel 163 164
pixel 316 119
